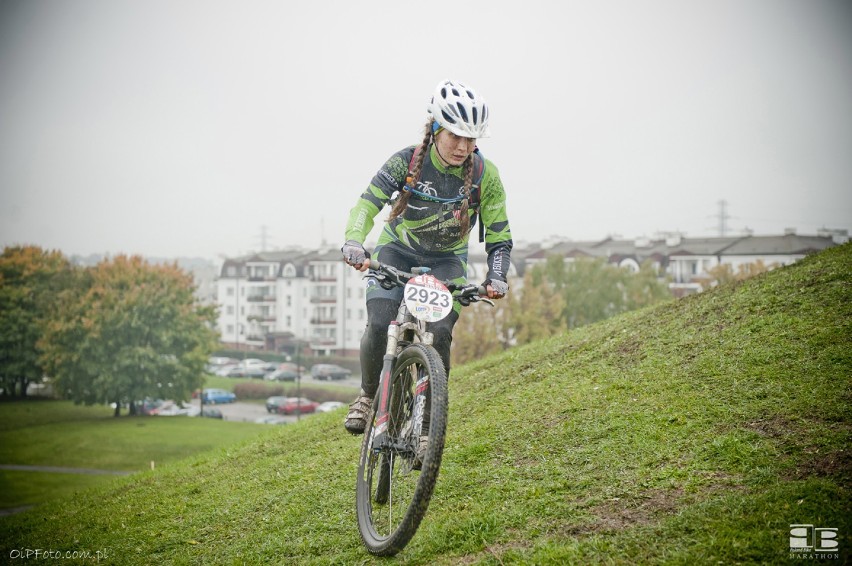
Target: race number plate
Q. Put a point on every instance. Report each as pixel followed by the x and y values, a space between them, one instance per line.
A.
pixel 427 298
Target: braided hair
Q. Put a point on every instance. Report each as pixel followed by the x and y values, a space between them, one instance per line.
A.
pixel 414 174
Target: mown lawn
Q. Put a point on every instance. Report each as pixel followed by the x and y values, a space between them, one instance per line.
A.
pixel 61 434
pixel 695 432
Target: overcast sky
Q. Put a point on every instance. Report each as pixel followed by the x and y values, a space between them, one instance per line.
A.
pixel 182 128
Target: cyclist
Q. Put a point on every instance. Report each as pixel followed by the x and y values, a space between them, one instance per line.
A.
pixel 436 191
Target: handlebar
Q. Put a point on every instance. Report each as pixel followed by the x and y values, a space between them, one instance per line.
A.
pixel 389 277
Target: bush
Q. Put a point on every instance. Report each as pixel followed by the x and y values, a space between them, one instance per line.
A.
pixel 251 390
pixel 256 390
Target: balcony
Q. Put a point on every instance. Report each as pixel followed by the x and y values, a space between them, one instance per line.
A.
pixel 320 320
pixel 322 278
pixel 260 278
pixel 261 318
pixel 261 298
pixel 323 299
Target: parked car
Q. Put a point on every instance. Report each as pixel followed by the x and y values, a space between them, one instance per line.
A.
pixel 216 363
pixel 212 413
pixel 325 372
pixel 149 407
pixel 281 375
pixel 295 368
pixel 213 396
pixel 172 409
pixel 256 372
pixel 293 405
pixel 329 406
pixel 273 403
pixel 224 369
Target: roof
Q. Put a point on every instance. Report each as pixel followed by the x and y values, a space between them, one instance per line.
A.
pixel 789 244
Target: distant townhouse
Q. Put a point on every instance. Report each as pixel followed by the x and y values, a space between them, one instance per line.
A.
pixel 688 261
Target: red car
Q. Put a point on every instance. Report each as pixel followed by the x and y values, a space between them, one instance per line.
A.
pixel 292 405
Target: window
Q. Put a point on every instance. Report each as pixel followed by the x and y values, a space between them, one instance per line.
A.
pixel 229 310
pixel 229 292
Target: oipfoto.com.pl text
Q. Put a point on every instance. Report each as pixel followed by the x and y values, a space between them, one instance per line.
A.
pixel 46 554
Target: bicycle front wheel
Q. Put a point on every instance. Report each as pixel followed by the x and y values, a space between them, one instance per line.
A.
pixel 392 495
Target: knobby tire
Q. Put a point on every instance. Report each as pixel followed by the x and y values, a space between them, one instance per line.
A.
pixel 386 480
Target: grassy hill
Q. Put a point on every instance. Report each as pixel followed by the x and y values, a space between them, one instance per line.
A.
pixel 696 432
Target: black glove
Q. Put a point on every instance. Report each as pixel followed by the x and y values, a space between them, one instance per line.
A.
pixel 354 253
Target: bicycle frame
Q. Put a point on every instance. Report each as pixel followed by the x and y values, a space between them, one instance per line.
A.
pixel 404 329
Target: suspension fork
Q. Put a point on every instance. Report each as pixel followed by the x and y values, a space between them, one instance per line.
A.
pixel 380 426
pixel 396 330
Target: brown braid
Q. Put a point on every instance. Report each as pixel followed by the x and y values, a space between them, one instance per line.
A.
pixel 464 219
pixel 414 174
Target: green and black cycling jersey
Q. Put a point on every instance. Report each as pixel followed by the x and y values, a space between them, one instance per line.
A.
pixel 430 223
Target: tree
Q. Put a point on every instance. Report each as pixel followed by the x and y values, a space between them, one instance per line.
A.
pixel 31 280
pixel 645 288
pixel 131 330
pixel 536 311
pixel 593 290
pixel 477 333
pixel 724 273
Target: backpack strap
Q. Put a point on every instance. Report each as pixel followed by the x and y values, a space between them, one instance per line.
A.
pixel 475 190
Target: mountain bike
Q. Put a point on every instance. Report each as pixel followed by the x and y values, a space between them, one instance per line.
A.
pixel 394 485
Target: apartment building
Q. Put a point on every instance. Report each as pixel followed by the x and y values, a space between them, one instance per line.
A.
pixel 291 297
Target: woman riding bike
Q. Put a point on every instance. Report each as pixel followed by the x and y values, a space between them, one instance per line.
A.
pixel 436 191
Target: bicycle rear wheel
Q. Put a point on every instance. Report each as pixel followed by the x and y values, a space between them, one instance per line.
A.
pixel 391 496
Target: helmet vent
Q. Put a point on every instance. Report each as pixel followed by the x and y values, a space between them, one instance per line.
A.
pixel 463 112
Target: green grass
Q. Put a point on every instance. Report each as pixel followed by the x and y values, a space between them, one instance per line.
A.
pixel 694 432
pixel 25 488
pixel 61 434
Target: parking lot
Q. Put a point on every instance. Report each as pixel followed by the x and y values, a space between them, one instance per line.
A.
pixel 250 412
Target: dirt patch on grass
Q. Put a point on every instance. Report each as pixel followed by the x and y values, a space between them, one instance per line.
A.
pixel 623 513
pixel 814 462
pixel 774 427
pixel 836 464
pixel 618 514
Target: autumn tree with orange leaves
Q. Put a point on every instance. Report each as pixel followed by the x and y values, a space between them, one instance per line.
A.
pixel 129 330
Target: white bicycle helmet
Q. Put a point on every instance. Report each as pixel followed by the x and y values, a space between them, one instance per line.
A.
pixel 460 110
